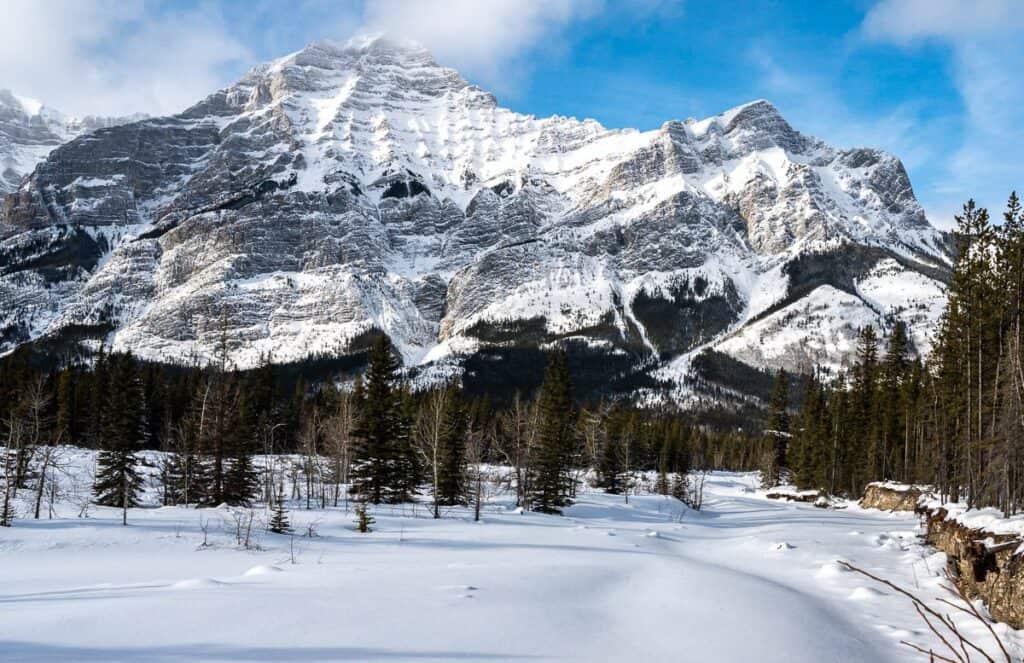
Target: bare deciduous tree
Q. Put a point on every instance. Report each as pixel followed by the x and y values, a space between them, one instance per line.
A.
pixel 338 442
pixel 428 438
pixel 518 437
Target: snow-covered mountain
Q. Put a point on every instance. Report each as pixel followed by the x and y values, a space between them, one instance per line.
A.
pixel 349 189
pixel 29 131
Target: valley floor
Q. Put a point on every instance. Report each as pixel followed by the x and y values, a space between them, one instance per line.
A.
pixel 746 579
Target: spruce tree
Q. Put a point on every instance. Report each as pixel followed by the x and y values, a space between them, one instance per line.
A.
pixel 610 467
pixel 67 429
pixel 279 523
pixel 363 518
pixel 407 472
pixel 550 478
pixel 777 430
pixel 886 454
pixel 452 477
pixel 117 482
pixel 863 419
pixel 377 437
pixel 241 479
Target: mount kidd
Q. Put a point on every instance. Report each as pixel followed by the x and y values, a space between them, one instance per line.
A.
pixel 348 190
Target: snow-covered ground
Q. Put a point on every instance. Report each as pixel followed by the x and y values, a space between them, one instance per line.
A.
pixel 746 579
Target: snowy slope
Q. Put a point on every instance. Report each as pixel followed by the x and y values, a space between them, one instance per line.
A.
pixel 350 188
pixel 745 579
pixel 29 131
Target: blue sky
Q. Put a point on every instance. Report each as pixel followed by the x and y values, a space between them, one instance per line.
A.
pixel 934 81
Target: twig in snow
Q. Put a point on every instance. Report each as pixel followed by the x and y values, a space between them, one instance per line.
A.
pixel 928 614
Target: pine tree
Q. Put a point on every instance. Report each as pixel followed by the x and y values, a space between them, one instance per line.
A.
pixel 99 387
pixel 241 479
pixel 380 429
pixel 972 328
pixel 777 430
pixel 549 481
pixel 863 420
pixel 451 484
pixel 886 454
pixel 609 468
pixel 611 464
pixel 117 481
pixel 67 429
pixel 363 519
pixel 279 523
pixel 407 469
pixel 809 442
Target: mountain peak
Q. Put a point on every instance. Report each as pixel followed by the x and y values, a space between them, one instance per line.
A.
pixel 757 107
pixel 369 49
pixel 388 66
pixel 760 113
pixel 382 43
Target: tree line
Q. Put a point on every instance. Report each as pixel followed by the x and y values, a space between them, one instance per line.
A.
pixel 373 440
pixel 955 420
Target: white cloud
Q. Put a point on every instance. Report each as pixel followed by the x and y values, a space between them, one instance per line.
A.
pixel 481 39
pixel 156 56
pixel 909 20
pixel 987 57
pixel 814 105
pixel 113 57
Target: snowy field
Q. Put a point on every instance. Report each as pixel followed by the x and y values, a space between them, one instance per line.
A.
pixel 746 579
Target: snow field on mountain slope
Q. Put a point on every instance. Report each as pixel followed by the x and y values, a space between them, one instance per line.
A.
pixel 745 579
pixel 824 324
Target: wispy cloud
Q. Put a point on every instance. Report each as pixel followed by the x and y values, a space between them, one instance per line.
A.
pixel 814 103
pixel 988 57
pixel 907 21
pixel 480 37
pixel 106 56
pixel 158 56
pixel 496 42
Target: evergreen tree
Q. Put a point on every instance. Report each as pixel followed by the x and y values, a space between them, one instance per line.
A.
pixel 863 421
pixel 809 454
pixel 609 468
pixel 777 430
pixel 117 481
pixel 241 479
pixel 381 433
pixel 611 464
pixel 550 478
pixel 67 429
pixel 279 523
pixel 886 454
pixel 407 472
pixel 364 520
pixel 452 487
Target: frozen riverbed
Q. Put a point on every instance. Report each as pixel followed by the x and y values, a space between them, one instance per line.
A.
pixel 746 579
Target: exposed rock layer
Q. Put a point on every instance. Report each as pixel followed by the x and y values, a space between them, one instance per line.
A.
pixel 987 566
pixel 347 189
pixel 889 498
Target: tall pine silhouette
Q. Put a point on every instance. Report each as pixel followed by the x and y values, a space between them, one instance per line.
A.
pixel 550 478
pixel 122 432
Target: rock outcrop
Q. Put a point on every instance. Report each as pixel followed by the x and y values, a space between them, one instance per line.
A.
pixel 986 565
pixel 890 496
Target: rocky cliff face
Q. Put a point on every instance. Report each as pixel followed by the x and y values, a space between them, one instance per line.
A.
pixel 347 189
pixel 29 131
